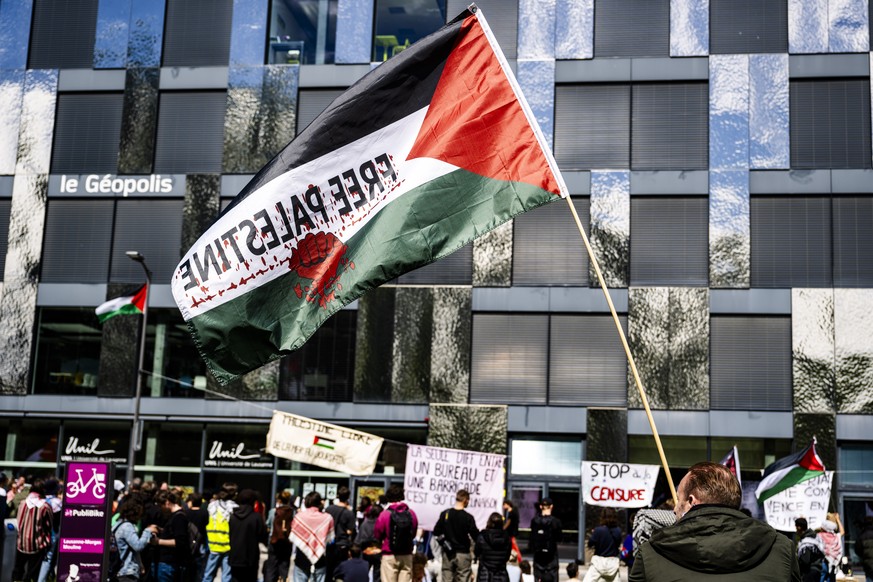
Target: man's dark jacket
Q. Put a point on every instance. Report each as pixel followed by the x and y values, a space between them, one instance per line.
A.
pixel 713 542
pixel 247 529
pixel 864 549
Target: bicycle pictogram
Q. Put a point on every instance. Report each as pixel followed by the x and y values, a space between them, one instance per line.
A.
pixel 98 489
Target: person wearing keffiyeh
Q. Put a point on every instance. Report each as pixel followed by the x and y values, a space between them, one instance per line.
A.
pixel 311 532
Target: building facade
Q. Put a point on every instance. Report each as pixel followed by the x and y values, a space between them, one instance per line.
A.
pixel 718 152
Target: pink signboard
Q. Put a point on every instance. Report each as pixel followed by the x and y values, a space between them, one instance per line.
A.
pixel 85 522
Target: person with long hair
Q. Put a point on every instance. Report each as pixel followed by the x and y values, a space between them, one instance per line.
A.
pixel 493 547
pixel 129 541
pixel 606 541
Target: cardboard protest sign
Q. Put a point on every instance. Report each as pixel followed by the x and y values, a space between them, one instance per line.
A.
pixel 808 499
pixel 434 475
pixel 322 444
pixel 618 484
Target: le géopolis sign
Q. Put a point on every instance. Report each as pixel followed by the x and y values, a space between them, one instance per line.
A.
pixel 113 185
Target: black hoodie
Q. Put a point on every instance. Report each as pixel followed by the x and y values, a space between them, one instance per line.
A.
pixel 247 529
pixel 713 542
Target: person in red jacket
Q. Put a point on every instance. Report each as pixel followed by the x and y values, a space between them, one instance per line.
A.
pixel 34 533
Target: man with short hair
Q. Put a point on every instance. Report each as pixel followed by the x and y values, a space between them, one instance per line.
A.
pixel 459 529
pixel 545 531
pixel 712 539
pixel 395 530
pixel 344 530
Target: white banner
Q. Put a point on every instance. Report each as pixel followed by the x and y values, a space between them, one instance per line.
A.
pixel 326 445
pixel 434 475
pixel 809 499
pixel 618 484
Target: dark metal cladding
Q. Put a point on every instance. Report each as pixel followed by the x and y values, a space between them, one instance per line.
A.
pixel 374 348
pixel 119 349
pixel 452 345
pixel 139 119
pixel 112 34
pixel 413 333
pixel 202 203
pixel 492 258
pixel 607 435
pixel 468 427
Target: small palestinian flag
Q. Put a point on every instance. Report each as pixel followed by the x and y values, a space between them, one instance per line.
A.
pixel 128 305
pixel 732 462
pixel 320 441
pixel 428 151
pixel 789 471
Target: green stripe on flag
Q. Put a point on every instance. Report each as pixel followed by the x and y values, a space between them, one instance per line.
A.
pixel 793 477
pixel 126 309
pixel 273 318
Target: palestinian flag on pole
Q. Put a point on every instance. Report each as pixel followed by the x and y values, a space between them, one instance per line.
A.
pixel 428 151
pixel 789 471
pixel 128 305
pixel 732 462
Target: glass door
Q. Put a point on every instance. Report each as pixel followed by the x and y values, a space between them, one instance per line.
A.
pixel 565 497
pixel 856 507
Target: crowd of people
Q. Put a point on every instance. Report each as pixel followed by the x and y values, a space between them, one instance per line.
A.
pixel 163 534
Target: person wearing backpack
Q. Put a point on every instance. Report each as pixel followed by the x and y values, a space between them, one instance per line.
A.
pixel 278 561
pixel 247 532
pixel 545 531
pixel 344 530
pixel 395 530
pixel 456 530
pixel 129 542
pixel 174 540
pixel 218 533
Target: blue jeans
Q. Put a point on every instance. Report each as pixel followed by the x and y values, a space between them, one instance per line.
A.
pixel 302 576
pixel 212 563
pixel 170 572
pixel 47 564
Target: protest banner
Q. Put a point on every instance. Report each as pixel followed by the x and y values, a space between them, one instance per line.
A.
pixel 808 499
pixel 618 484
pixel 83 547
pixel 434 475
pixel 322 444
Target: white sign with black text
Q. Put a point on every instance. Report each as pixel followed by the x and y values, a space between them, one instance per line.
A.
pixel 618 484
pixel 809 499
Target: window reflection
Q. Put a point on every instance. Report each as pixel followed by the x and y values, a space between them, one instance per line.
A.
pixel 171 357
pixel 400 23
pixel 323 368
pixel 302 32
pixel 545 457
pixel 67 351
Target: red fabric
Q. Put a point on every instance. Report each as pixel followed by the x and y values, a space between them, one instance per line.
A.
pixel 475 121
pixel 34 524
pixel 311 531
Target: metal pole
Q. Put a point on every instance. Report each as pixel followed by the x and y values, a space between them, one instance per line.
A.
pixel 135 431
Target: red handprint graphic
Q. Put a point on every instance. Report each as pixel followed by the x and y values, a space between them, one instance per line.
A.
pixel 319 257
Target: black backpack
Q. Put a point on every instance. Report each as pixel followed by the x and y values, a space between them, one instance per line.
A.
pixel 541 535
pixel 195 539
pixel 400 532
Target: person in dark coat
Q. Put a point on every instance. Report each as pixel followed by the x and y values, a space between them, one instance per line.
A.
pixel 247 530
pixel 713 539
pixel 864 547
pixel 354 569
pixel 493 546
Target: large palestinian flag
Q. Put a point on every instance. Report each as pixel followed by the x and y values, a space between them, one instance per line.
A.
pixel 430 150
pixel 789 471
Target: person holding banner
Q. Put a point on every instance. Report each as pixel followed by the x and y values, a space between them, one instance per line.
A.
pixel 455 530
pixel 493 547
pixel 713 539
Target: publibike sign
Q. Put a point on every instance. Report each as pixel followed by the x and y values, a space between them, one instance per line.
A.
pixel 83 546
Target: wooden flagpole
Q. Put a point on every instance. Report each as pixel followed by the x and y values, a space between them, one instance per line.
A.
pixel 627 351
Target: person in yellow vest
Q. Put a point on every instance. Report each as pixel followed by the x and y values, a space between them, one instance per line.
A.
pixel 218 532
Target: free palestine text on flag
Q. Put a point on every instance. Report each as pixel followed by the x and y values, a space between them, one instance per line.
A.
pixel 430 150
pixel 129 304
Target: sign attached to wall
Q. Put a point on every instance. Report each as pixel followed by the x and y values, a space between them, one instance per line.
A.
pixel 234 454
pixel 809 499
pixel 83 545
pixel 434 475
pixel 322 444
pixel 80 447
pixel 618 484
pixel 113 185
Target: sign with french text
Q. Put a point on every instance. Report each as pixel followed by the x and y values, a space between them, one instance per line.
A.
pixel 322 444
pixel 434 475
pixel 83 543
pixel 808 499
pixel 618 484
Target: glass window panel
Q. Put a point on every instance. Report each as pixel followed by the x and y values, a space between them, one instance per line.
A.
pixel 323 369
pixel 302 31
pixel 67 357
pixel 526 499
pixel 748 26
pixel 856 465
pixel 29 441
pixel 537 235
pixel 399 23
pixel 670 124
pixel 553 458
pixel 87 133
pixel 755 453
pixel 77 241
pixel 170 352
pixel 62 34
pixel 592 126
pixel 310 104
pixel 853 241
pixel 152 227
pixel 190 138
pixel 682 452
pixel 632 28
pixel 510 358
pixel 5 210
pixel 197 33
pixel 170 445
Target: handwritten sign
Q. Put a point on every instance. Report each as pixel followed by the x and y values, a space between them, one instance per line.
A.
pixel 808 499
pixel 322 444
pixel 618 484
pixel 434 475
pixel 82 546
